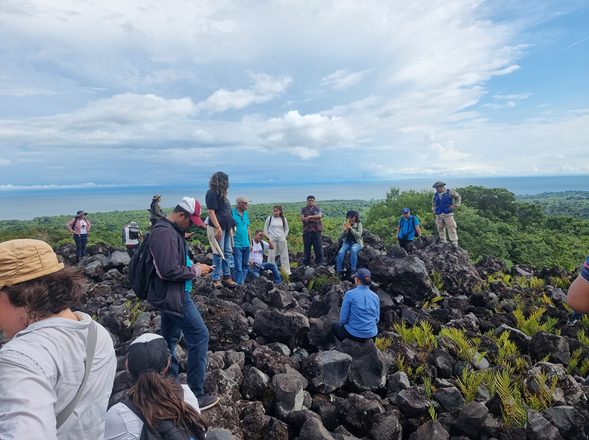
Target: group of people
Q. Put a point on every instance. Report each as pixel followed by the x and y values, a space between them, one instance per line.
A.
pixel 58 367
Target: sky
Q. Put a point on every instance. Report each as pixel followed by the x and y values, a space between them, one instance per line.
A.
pixel 291 91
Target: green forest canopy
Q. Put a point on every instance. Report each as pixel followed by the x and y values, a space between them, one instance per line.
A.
pixel 550 229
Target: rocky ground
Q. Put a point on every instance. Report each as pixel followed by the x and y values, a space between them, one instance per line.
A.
pixel 464 351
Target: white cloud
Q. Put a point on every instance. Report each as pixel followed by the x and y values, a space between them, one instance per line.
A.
pixel 517 96
pixel 264 89
pixel 4 162
pixel 508 104
pixel 342 79
pixel 168 75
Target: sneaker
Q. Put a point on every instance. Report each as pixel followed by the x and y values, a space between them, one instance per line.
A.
pixel 207 402
pixel 228 282
pixel 320 265
pixel 573 319
pixel 339 274
pixel 216 283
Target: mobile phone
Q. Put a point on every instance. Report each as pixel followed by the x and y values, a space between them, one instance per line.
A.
pixel 348 222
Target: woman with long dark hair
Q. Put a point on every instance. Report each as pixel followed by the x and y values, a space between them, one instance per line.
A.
pixel 276 227
pixel 220 228
pixel 156 401
pixel 57 369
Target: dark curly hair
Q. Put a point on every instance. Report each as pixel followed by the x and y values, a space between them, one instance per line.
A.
pixel 220 184
pixel 48 295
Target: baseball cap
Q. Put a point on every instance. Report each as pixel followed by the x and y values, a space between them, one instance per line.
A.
pixel 149 352
pixel 191 205
pixel 362 274
pixel 242 199
pixel 25 259
pixel 406 210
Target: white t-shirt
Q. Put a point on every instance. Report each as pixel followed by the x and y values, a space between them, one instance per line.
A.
pixel 83 227
pixel 274 229
pixel 123 424
pixel 257 253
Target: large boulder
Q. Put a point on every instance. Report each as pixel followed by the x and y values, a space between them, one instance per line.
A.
pixel 225 321
pixel 489 265
pixel 313 429
pixel 405 276
pixel 412 402
pixel 386 427
pixel 458 272
pixel 327 370
pixel 544 344
pixel 431 430
pixel 472 419
pixel 538 428
pixel 369 367
pixel 570 421
pixel 276 326
pixel 289 393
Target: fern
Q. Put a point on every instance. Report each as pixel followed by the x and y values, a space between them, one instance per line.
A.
pixel 532 325
pixel 469 384
pixel 383 343
pixel 574 360
pixel 506 349
pixel 514 413
pixel 543 399
pixel 432 411
pixel 437 280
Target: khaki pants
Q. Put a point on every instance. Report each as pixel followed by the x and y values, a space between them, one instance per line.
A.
pixel 280 248
pixel 444 221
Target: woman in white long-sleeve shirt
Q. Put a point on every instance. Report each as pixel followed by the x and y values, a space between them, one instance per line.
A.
pixel 276 226
pixel 42 367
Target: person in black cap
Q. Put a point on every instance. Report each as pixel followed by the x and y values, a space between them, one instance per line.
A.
pixel 80 226
pixel 360 311
pixel 156 401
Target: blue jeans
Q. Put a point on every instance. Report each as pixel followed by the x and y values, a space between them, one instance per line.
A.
pixel 353 248
pixel 266 266
pixel 81 242
pixel 196 335
pixel 241 256
pixel 218 261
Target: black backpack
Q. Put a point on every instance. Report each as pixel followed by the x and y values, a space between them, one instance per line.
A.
pixel 139 272
pixel 167 430
pixel 413 223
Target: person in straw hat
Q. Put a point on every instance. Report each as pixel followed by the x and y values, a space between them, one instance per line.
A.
pixel 58 367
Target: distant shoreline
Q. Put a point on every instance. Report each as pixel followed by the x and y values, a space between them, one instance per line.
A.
pixel 26 204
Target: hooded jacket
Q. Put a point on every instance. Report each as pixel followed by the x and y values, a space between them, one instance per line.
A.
pixel 169 269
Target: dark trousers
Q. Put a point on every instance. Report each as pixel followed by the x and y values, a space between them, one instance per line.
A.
pixel 131 249
pixel 406 244
pixel 341 333
pixel 81 242
pixel 196 336
pixel 312 239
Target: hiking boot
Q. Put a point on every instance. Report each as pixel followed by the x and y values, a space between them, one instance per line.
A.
pixel 573 319
pixel 216 283
pixel 207 402
pixel 228 282
pixel 339 274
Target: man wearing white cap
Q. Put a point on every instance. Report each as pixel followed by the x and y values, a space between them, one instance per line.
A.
pixel 169 291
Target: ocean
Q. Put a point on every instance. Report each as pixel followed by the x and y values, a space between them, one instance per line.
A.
pixel 26 204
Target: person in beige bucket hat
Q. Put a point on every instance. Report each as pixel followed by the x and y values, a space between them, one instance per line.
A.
pixel 43 365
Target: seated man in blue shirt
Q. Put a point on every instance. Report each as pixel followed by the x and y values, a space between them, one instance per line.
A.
pixel 360 311
pixel 407 228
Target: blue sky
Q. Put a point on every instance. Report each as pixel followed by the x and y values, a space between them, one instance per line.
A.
pixel 132 93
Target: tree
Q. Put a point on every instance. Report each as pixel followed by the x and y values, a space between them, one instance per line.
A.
pixel 492 203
